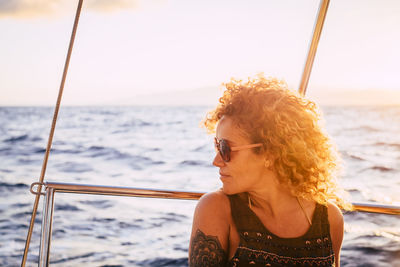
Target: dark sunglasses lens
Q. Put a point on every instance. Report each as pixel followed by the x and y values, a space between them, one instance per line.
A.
pixel 224 150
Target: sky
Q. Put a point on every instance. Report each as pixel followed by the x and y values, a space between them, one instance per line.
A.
pixel 181 51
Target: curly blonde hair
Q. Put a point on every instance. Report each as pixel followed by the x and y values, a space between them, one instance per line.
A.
pixel 289 127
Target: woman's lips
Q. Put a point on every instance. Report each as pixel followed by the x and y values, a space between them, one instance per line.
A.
pixel 223 174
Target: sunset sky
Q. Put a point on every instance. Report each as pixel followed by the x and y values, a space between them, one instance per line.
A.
pixel 126 52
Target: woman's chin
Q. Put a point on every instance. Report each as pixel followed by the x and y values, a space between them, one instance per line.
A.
pixel 228 190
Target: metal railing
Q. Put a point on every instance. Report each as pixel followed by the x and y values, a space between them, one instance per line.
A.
pixel 51 188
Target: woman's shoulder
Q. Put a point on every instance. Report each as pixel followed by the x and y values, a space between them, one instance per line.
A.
pixel 217 195
pixel 212 212
pixel 214 202
pixel 336 223
pixel 335 215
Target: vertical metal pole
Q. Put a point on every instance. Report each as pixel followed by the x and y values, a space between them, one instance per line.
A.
pixel 50 140
pixel 319 23
pixel 47 221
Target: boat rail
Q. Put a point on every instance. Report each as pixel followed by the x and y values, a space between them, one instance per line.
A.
pixel 51 188
pixel 174 194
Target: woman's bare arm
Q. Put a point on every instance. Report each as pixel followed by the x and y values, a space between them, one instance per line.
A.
pixel 210 231
pixel 335 218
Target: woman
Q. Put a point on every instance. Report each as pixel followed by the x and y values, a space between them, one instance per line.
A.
pixel 277 167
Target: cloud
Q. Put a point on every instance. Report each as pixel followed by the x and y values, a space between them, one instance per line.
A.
pixel 48 8
pixel 111 5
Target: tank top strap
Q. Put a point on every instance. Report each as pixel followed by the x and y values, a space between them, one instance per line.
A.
pixel 320 223
pixel 242 216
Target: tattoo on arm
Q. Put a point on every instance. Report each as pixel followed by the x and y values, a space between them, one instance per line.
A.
pixel 206 250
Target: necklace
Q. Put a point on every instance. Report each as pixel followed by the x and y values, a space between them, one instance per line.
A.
pixel 305 213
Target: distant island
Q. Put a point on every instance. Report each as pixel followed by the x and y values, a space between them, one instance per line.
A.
pixel 323 97
pixel 208 96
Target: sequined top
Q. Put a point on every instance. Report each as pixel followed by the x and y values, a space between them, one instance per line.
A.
pixel 259 247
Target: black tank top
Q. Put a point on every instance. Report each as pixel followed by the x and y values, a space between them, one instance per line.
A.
pixel 259 247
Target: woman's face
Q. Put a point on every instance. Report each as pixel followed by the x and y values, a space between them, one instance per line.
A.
pixel 246 170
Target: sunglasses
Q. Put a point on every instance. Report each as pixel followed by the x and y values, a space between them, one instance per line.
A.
pixel 225 150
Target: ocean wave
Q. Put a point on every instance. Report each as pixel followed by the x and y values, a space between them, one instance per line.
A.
pixel 166 218
pixel 125 225
pixel 357 157
pixel 74 167
pixel 96 148
pixel 353 190
pixel 140 162
pixel 376 258
pixel 368 249
pixel 14 227
pixel 174 122
pixel 20 138
pixel 353 156
pixel 58 233
pixel 27 161
pixel 128 243
pixel 108 152
pixel 179 262
pixel 172 217
pixel 136 123
pixel 101 204
pixel 388 144
pixel 20 205
pixel 35 139
pixel 103 220
pixel 193 163
pixel 66 151
pixel 15 139
pixel 201 148
pixel 365 128
pixel 41 150
pixel 63 260
pixel 99 151
pixel 382 168
pixel 23 214
pixel 6 149
pixel 66 207
pixel 115 154
pixel 9 186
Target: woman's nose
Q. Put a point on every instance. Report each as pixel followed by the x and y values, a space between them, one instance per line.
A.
pixel 218 161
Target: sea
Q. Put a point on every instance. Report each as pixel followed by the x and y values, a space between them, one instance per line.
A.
pixel 160 147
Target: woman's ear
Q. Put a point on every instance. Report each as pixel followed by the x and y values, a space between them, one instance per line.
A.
pixel 267 163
